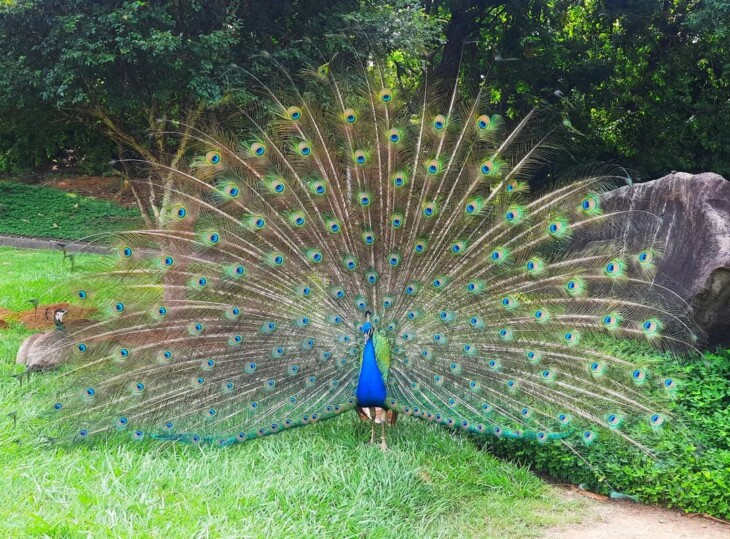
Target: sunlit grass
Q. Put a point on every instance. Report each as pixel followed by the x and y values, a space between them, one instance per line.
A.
pixel 319 481
pixel 43 275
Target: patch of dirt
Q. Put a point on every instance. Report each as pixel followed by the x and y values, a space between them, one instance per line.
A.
pixel 42 318
pixel 614 519
pixel 107 188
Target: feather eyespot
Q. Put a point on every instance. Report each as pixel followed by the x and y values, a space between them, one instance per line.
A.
pixel 596 368
pixel 364 199
pixel 614 268
pixel 231 190
pixel 304 149
pixel 433 166
pixel 294 113
pixel 473 207
pixel 650 327
pixel 486 167
pixel 360 157
pixel 611 320
pixel 213 158
pixel 638 375
pixel 350 116
pixel 258 149
pixel 590 204
pixel 483 122
pixel 646 258
pixel 439 122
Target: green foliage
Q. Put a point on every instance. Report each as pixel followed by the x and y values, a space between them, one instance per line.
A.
pixel 644 83
pixel 36 210
pixel 692 468
pixel 119 67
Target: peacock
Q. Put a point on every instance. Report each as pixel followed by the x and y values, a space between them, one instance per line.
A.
pixel 340 246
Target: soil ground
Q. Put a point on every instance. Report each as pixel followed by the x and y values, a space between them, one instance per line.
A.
pixel 108 188
pixel 613 519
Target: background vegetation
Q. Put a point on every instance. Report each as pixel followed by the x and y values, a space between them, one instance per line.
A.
pixel 37 210
pixel 645 83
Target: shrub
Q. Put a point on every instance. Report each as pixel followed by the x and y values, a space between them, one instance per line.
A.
pixel 691 470
pixel 37 210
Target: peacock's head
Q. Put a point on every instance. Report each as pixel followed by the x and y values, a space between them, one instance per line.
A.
pixel 367 327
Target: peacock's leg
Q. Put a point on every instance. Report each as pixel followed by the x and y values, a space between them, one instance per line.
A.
pixel 383 445
pixel 372 425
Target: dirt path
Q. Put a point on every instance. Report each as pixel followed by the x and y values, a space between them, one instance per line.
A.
pixel 611 519
pixel 31 242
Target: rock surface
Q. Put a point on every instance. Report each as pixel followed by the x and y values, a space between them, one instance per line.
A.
pixel 695 231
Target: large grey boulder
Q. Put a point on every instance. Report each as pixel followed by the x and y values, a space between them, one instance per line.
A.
pixel 695 229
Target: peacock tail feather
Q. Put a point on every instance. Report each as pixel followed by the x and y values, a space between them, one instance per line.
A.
pixel 242 315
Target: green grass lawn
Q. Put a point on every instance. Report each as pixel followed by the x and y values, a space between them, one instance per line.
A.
pixel 39 210
pixel 318 481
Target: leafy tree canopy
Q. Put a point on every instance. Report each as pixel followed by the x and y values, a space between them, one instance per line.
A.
pixel 644 83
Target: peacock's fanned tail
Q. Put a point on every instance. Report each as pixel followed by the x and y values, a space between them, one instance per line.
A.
pixel 239 318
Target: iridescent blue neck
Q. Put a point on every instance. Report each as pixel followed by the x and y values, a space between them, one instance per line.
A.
pixel 370 386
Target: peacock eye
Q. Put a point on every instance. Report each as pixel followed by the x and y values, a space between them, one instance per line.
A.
pixel 213 158
pixel 304 149
pixel 294 113
pixel 483 122
pixel 258 149
pixel 439 122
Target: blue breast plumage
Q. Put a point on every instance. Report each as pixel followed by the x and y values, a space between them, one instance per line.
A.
pixel 370 386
